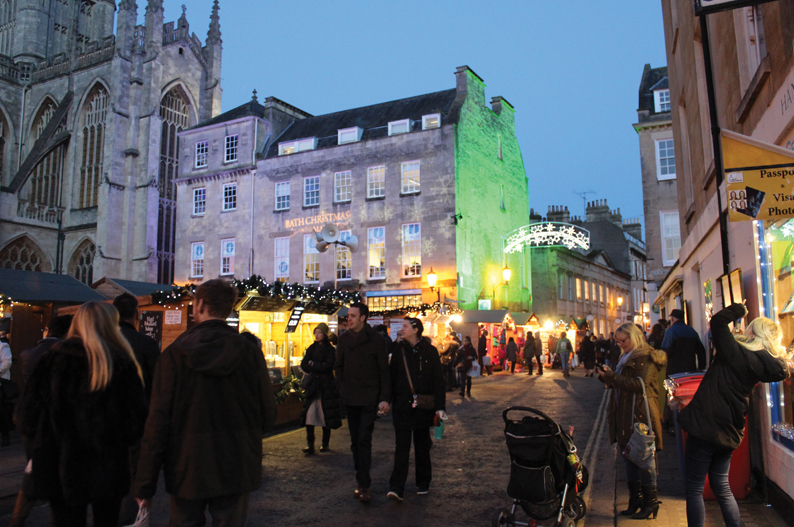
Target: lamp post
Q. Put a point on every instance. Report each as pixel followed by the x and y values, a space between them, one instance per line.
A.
pixel 506 274
pixel 431 281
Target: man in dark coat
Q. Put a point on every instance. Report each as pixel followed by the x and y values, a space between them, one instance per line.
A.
pixel 146 349
pixel 685 351
pixel 211 403
pixel 482 350
pixel 362 374
pixel 56 330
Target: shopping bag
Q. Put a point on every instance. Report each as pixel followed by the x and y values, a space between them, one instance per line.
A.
pixel 486 360
pixel 142 520
pixel 440 429
pixel 474 371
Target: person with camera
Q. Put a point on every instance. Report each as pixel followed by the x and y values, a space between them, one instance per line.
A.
pixel 715 418
pixel 418 397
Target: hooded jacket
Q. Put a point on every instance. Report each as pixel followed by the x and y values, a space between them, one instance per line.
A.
pixel 718 409
pixel 211 403
pixel 627 405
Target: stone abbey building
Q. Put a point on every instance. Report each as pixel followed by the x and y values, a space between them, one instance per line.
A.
pixel 88 133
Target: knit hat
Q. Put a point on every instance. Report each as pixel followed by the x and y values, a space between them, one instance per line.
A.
pixel 322 326
pixel 677 313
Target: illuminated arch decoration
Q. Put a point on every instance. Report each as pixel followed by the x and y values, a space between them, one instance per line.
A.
pixel 547 234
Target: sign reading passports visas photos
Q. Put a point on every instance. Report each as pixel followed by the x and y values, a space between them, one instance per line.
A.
pixel 704 7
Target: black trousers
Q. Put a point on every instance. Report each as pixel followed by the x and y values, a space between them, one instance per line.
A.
pixel 106 512
pixel 540 364
pixel 226 511
pixel 361 423
pixel 402 451
pixel 310 435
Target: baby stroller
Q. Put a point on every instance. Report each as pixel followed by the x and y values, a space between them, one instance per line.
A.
pixel 546 476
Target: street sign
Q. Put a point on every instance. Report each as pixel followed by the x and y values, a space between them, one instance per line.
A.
pixel 704 7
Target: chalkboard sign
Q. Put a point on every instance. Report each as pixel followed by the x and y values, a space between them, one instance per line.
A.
pixel 276 376
pixel 151 324
pixel 294 318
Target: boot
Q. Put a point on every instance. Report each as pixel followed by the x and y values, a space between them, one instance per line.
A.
pixel 635 499
pixel 649 504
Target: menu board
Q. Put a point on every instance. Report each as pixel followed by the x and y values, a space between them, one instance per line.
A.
pixel 151 325
pixel 294 318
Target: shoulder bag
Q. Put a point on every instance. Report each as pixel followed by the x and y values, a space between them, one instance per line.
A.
pixel 641 448
pixel 421 401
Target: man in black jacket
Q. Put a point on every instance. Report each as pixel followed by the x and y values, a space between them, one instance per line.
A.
pixel 56 330
pixel 145 348
pixel 211 403
pixel 685 351
pixel 362 374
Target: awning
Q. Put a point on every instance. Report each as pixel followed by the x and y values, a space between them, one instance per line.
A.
pixel 43 288
pixel 255 302
pixel 133 287
pixel 520 319
pixel 483 316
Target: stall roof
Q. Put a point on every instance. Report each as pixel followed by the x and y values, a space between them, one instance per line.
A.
pixel 491 316
pixel 131 286
pixel 37 287
pixel 520 319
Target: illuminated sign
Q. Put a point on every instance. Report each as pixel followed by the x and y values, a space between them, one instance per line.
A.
pixel 294 318
pixel 319 219
pixel 547 234
pixel 704 7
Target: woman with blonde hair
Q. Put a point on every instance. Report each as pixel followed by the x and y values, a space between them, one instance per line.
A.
pixel 82 409
pixel 638 367
pixel 715 418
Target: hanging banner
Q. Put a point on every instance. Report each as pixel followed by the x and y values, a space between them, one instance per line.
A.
pixel 704 7
pixel 759 177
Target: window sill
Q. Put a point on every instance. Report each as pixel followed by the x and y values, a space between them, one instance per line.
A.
pixel 376 198
pixel 230 210
pixel 375 280
pixel 201 168
pixel 346 202
pixel 312 283
pixel 307 207
pixel 409 194
pixel 231 162
pixel 665 178
pixel 280 210
pixel 198 215
pixel 410 278
pixel 757 82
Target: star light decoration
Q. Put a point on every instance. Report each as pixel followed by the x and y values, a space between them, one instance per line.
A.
pixel 547 234
pixel 788 230
pixel 784 430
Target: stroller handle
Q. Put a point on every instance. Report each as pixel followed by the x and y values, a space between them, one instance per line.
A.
pixel 525 409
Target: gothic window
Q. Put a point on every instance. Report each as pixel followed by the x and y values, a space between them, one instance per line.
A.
pixel 7 23
pixel 93 147
pixel 82 266
pixel 46 179
pixel 21 254
pixel 175 113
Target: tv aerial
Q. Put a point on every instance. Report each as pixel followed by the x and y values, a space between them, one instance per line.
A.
pixel 330 235
pixel 583 195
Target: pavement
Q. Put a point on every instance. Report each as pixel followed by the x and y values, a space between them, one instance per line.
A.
pixel 470 468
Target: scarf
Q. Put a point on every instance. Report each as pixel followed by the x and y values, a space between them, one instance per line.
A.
pixel 622 362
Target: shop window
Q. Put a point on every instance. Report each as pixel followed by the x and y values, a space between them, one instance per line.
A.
pixel 232 142
pixel 282 195
pixel 199 201
pixel 410 177
pixel 311 191
pixel 197 260
pixel 377 303
pixel 202 154
pixel 343 187
pixel 281 251
pixel 412 249
pixel 376 182
pixel 230 196
pixel 344 258
pixel 665 159
pixel 311 260
pixel 376 249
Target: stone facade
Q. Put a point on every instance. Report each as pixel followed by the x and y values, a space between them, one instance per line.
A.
pixel 467 164
pixel 86 179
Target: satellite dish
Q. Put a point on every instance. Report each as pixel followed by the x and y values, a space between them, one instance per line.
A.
pixel 322 246
pixel 351 243
pixel 329 233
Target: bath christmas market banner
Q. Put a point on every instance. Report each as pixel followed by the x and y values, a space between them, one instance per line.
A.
pixel 759 177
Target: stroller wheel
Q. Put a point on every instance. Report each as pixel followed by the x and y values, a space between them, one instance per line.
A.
pixel 577 508
pixel 502 517
pixel 568 522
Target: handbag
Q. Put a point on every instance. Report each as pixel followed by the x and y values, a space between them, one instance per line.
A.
pixel 641 448
pixel 306 381
pixel 9 389
pixel 421 401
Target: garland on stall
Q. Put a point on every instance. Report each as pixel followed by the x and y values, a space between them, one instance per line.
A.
pixel 441 308
pixel 5 300
pixel 290 386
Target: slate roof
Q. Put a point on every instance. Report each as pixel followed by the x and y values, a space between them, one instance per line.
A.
pixel 141 288
pixel 250 109
pixel 36 287
pixel 373 119
pixel 652 79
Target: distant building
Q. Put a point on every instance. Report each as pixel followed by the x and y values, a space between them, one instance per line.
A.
pixel 603 284
pixel 660 195
pixel 425 183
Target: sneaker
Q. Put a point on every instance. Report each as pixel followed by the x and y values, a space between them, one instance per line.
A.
pixel 394 495
pixel 422 491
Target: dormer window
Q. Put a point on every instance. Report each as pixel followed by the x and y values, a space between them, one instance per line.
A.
pixel 400 127
pixel 431 121
pixel 293 147
pixel 661 101
pixel 350 135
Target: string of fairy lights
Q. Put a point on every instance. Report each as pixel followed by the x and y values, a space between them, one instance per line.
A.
pixel 440 308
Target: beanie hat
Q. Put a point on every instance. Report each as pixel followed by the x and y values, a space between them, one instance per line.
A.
pixel 677 313
pixel 322 326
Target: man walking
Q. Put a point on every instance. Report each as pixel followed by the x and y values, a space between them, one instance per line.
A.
pixel 211 403
pixel 685 351
pixel 146 349
pixel 482 350
pixel 362 374
pixel 539 352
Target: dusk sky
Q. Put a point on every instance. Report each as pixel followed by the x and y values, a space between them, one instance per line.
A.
pixel 571 69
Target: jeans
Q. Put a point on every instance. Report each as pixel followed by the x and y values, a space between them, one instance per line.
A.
pixel 402 451
pixel 464 381
pixel 565 358
pixel 226 511
pixel 361 423
pixel 634 473
pixel 704 458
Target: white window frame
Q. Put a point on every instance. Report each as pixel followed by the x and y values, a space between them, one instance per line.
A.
pixel 285 201
pixel 231 148
pixel 406 185
pixel 349 135
pixel 396 124
pixel 376 181
pixel 197 264
pixel 227 260
pixel 281 255
pixel 199 201
pixel 299 145
pixel 661 98
pixel 376 249
pixel 202 154
pixel 666 262
pixel 230 196
pixel 411 251
pixel 343 186
pixel 311 198
pixel 311 260
pixel 586 290
pixel 560 285
pixel 343 264
pixel 657 143
pixel 578 289
pixel 570 288
pixel 431 117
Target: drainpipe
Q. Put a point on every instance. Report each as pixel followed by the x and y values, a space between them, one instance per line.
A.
pixel 253 186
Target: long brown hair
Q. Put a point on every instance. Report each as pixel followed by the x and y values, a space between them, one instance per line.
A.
pixel 97 326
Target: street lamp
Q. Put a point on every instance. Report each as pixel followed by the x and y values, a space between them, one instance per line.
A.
pixel 506 274
pixel 432 277
pixel 620 301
